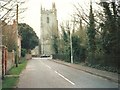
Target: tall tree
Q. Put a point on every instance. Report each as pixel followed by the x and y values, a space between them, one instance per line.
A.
pixel 91 36
pixel 29 37
pixel 111 30
pixel 66 39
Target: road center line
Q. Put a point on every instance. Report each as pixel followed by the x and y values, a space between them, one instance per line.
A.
pixel 65 78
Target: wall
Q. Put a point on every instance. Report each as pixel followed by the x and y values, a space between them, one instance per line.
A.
pixel 8 59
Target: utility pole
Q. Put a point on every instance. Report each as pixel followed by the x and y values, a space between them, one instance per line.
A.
pixel 16 60
pixel 72 31
pixel 71 45
pixel 1 55
pixel 0 34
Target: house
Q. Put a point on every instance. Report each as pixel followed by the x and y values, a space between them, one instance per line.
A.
pixel 35 51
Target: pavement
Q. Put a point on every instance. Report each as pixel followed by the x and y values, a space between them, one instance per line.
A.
pixel 104 74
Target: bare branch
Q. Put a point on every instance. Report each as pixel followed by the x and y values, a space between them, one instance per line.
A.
pixel 5 14
pixel 9 8
pixel 5 4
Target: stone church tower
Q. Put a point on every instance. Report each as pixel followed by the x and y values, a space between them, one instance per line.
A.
pixel 49 28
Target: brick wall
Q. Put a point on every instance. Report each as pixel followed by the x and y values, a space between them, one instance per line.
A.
pixel 10 61
pixel 7 60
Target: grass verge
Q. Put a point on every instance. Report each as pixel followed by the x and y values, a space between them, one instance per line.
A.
pixel 10 82
pixel 17 70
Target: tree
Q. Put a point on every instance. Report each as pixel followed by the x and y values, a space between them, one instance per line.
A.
pixel 29 37
pixel 9 39
pixel 64 42
pixel 91 36
pixel 110 28
pixel 78 50
pixel 55 43
pixel 66 38
pixel 8 9
pixel 55 38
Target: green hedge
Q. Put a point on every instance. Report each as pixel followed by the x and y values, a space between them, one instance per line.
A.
pixel 64 57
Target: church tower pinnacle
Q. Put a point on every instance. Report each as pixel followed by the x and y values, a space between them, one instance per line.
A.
pixel 54 8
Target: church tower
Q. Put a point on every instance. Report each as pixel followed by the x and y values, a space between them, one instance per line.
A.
pixel 49 28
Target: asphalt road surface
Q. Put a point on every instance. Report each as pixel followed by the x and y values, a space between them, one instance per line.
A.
pixel 44 73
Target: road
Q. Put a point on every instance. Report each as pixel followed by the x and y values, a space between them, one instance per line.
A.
pixel 44 73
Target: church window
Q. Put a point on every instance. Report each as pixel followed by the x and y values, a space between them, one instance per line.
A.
pixel 47 19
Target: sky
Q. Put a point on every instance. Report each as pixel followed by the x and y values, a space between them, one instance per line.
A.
pixel 64 11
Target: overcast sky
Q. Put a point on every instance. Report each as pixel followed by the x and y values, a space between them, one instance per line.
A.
pixel 64 10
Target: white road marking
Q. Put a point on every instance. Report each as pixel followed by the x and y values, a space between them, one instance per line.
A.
pixel 49 67
pixel 65 78
pixel 59 74
pixel 46 65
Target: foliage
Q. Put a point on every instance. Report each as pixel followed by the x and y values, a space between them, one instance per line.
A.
pixel 111 32
pixel 55 44
pixel 18 70
pixel 23 52
pixel 65 41
pixel 61 56
pixel 91 37
pixel 64 47
pixel 9 82
pixel 29 37
pixel 78 50
pixel 103 34
pixel 108 46
pixel 106 28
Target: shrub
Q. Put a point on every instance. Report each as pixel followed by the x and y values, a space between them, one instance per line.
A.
pixel 23 52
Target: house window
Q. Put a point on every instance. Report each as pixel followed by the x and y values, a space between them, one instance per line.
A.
pixel 47 19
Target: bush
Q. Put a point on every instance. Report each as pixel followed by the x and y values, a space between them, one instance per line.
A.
pixel 80 55
pixel 64 57
pixel 23 52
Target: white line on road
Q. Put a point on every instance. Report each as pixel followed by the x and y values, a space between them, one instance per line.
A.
pixel 49 67
pixel 59 74
pixel 65 78
pixel 46 65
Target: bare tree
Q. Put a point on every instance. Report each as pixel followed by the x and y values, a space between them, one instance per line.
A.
pixel 8 9
pixel 82 14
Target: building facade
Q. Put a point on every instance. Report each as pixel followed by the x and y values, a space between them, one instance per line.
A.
pixel 35 51
pixel 49 28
